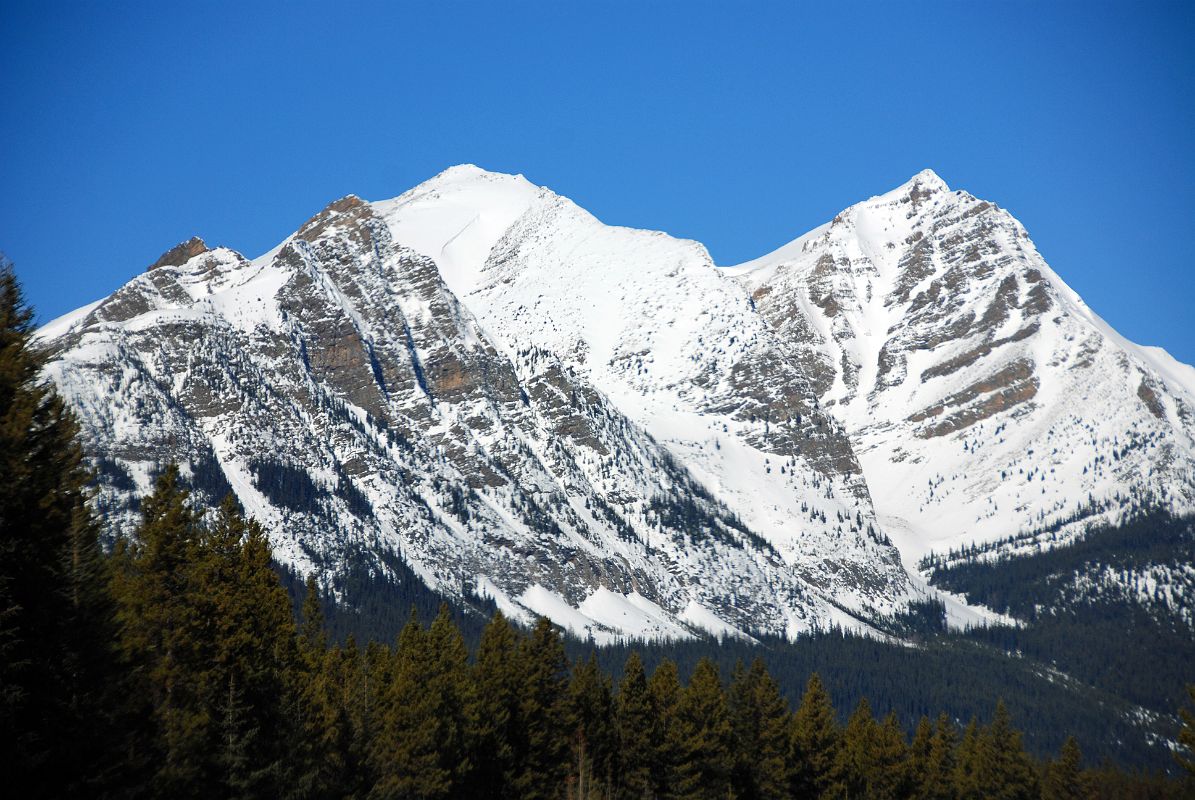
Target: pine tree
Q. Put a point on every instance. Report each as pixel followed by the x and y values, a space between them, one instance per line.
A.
pixel 760 724
pixel 452 699
pixel 890 777
pixel 937 779
pixel 1003 769
pixel 919 755
pixel 857 756
pixel 150 584
pixel 966 764
pixel 703 729
pixel 403 749
pixel 814 742
pixel 1063 778
pixel 594 735
pixel 636 755
pixel 59 677
pixel 498 682
pixel 668 748
pixel 542 762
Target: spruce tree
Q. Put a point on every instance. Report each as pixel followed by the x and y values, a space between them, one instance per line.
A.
pixel 857 757
pixel 1063 777
pixel 403 750
pixel 594 735
pixel 452 697
pixel 890 777
pixel 703 729
pixel 59 677
pixel 313 639
pixel 814 741
pixel 636 754
pixel 919 755
pixel 937 779
pixel 1003 768
pixel 669 752
pixel 150 584
pixel 542 721
pixel 966 764
pixel 495 736
pixel 760 725
pixel 236 662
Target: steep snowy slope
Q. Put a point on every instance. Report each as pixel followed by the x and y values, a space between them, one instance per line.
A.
pixel 598 424
pixel 358 410
pixel 983 397
pixel 668 338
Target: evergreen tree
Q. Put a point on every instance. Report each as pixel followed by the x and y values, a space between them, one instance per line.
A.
pixel 355 689
pixel 313 640
pixel 636 755
pixel 1063 778
pixel 937 779
pixel 542 720
pixel 257 649
pixel 452 698
pixel 966 764
pixel 495 736
pixel 890 777
pixel 814 742
pixel 403 750
pixel 594 733
pixel 668 747
pixel 59 679
pixel 857 764
pixel 760 725
pixel 703 729
pixel 1003 769
pixel 919 755
pixel 150 584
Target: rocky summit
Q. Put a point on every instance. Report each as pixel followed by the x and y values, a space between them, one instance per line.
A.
pixel 601 425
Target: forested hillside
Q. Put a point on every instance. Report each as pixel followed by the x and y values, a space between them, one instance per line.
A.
pixel 1115 609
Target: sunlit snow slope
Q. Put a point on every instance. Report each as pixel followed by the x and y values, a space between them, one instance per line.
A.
pixel 983 397
pixel 598 424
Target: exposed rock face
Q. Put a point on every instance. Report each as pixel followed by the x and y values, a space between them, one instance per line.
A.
pixel 355 406
pixel 180 254
pixel 597 424
pixel 943 342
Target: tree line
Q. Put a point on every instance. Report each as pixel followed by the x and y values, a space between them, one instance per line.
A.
pixel 174 666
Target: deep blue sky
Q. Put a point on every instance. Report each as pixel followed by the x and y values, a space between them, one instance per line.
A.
pixel 125 128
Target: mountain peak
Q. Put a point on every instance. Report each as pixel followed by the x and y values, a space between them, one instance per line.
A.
pixel 922 185
pixel 180 254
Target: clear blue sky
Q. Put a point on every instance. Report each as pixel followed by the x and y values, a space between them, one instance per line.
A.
pixel 125 128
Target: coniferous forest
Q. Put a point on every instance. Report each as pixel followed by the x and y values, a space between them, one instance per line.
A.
pixel 174 665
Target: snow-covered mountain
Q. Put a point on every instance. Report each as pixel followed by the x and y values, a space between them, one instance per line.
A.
pixel 983 398
pixel 598 424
